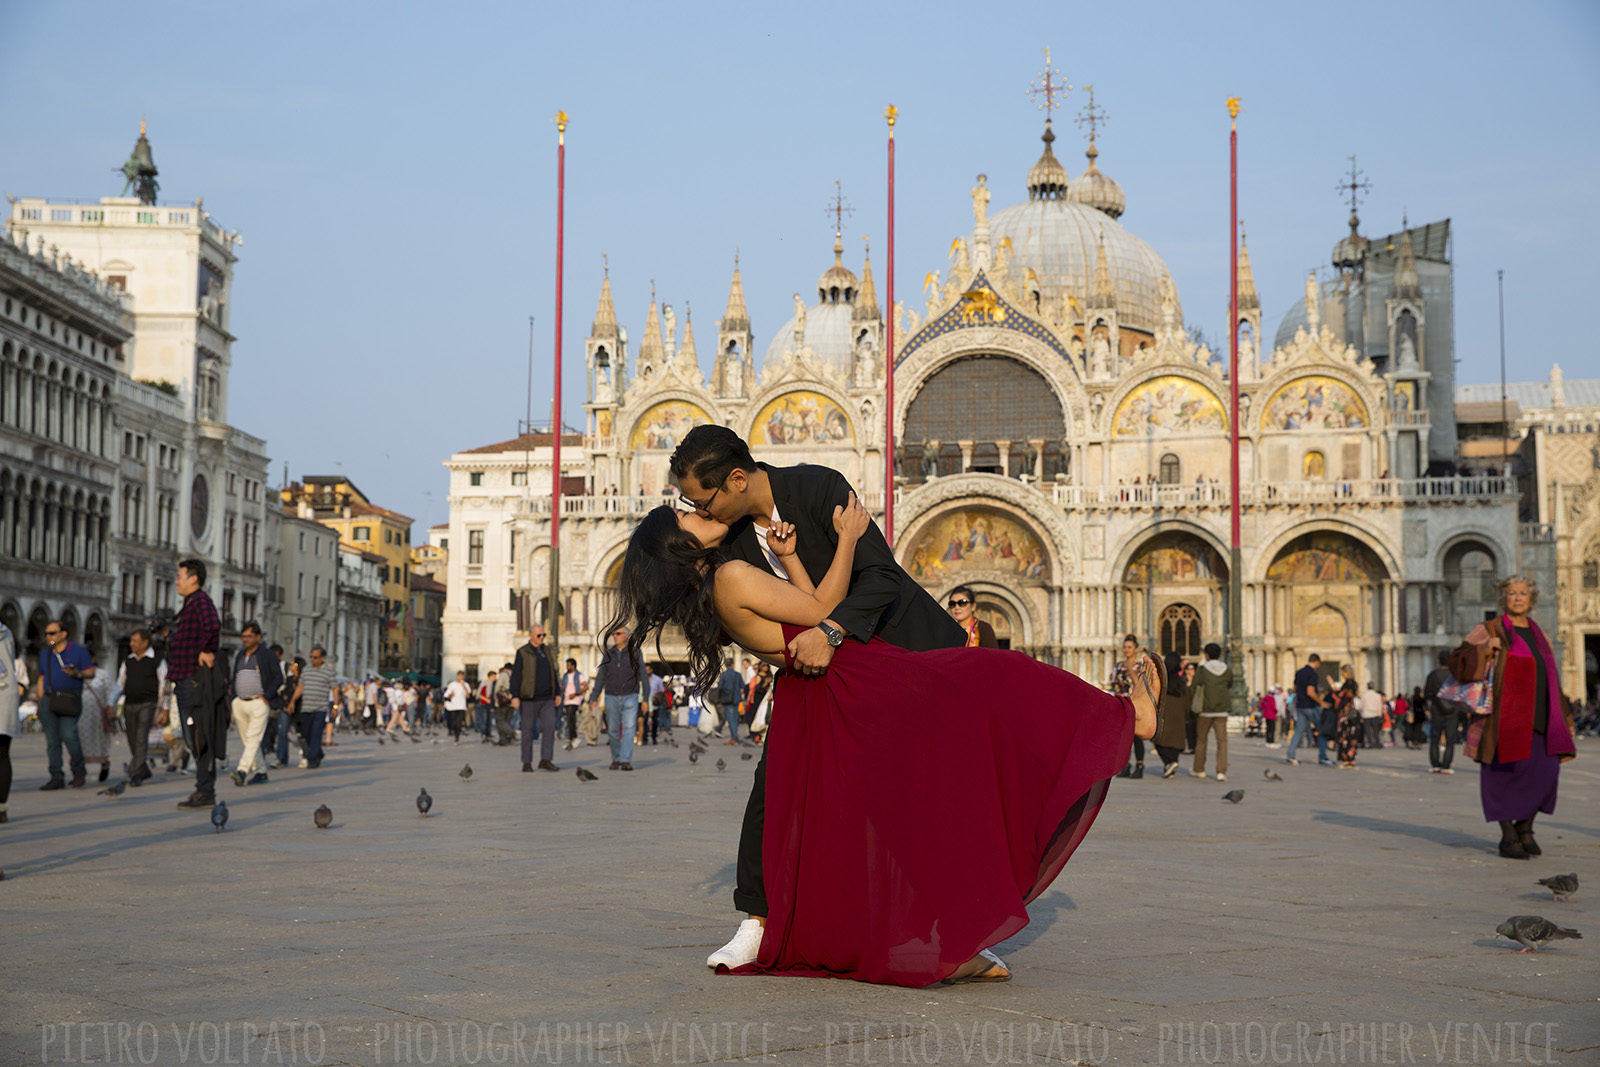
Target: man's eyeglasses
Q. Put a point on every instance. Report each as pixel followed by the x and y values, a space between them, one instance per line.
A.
pixel 685 504
pixel 52 633
pixel 537 636
pixel 960 602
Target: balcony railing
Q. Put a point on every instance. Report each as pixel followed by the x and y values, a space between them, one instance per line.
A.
pixel 1480 489
pixel 1535 531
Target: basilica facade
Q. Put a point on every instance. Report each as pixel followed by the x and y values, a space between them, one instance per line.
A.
pixel 1062 447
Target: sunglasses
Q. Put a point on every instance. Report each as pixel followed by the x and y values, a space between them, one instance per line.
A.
pixel 960 602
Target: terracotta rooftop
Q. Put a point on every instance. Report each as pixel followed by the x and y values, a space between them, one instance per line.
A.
pixel 358 508
pixel 527 443
pixel 421 583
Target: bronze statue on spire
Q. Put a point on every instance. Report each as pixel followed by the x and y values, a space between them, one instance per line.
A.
pixel 140 170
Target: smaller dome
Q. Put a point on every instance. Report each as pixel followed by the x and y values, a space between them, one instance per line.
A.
pixel 838 283
pixel 1097 189
pixel 1351 251
pixel 1048 179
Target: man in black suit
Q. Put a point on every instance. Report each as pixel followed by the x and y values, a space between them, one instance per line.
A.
pixel 719 479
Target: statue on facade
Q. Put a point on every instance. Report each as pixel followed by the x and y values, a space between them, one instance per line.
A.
pixel 1408 352
pixel 140 171
pixel 1100 357
pixel 799 324
pixel 733 376
pixel 1313 311
pixel 980 200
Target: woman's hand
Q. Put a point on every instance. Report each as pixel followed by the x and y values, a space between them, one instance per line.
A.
pixel 851 519
pixel 781 539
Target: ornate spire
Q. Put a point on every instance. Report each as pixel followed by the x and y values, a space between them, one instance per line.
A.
pixel 1048 179
pixel 1351 251
pixel 867 299
pixel 1407 283
pixel 735 317
pixel 686 350
pixel 140 170
pixel 1102 296
pixel 838 283
pixel 1094 188
pixel 1247 279
pixel 652 349
pixel 605 314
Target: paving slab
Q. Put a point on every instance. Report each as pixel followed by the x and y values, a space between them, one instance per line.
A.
pixel 1332 917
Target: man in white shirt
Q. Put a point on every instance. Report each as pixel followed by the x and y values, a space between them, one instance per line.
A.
pixel 141 679
pixel 456 695
pixel 1372 716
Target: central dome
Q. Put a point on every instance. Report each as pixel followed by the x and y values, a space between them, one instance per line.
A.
pixel 1058 235
pixel 1059 239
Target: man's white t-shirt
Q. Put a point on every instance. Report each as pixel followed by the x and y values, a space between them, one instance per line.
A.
pixel 773 562
pixel 455 696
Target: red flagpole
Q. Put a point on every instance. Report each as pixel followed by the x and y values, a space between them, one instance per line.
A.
pixel 1235 579
pixel 888 369
pixel 552 616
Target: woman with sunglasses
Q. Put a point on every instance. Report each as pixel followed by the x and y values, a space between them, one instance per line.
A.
pixel 963 608
pixel 899 866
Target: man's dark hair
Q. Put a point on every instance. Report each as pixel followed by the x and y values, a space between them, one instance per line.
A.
pixel 1213 651
pixel 1444 659
pixel 276 650
pixel 251 627
pixel 142 632
pixel 1313 658
pixel 711 453
pixel 319 648
pixel 572 663
pixel 195 567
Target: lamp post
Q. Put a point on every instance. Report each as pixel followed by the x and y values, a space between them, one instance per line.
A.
pixel 890 114
pixel 1235 579
pixel 552 621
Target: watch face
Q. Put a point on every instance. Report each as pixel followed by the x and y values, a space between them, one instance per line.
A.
pixel 199 505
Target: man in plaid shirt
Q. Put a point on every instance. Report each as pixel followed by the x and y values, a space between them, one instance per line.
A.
pixel 192 645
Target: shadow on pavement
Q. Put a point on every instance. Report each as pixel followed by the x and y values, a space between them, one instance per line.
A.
pixel 1447 838
pixel 1042 914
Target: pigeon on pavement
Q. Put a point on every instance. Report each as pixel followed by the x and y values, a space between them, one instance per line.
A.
pixel 114 790
pixel 219 815
pixel 1561 886
pixel 722 765
pixel 1531 931
pixel 694 755
pixel 586 776
pixel 424 802
pixel 1233 796
pixel 323 817
pixel 746 755
pixel 1271 775
pixel 466 772
pixel 380 739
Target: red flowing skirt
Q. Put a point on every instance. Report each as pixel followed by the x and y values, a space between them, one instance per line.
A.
pixel 916 802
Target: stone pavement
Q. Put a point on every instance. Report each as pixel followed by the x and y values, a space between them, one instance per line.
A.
pixel 1335 917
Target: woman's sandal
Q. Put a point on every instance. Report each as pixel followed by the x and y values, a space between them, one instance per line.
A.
pixel 997 971
pixel 1156 695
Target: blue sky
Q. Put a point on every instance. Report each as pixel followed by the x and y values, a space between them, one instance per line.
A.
pixel 391 168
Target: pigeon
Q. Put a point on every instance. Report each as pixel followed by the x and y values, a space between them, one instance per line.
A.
pixel 424 802
pixel 1531 931
pixel 746 755
pixel 1561 886
pixel 722 765
pixel 114 790
pixel 219 815
pixel 586 776
pixel 696 746
pixel 1233 796
pixel 380 739
pixel 1271 775
pixel 466 772
pixel 323 817
pixel 694 755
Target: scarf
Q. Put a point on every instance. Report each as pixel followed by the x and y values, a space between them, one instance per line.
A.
pixel 1514 736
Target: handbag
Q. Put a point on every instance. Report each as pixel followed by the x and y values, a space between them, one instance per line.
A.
pixel 1469 662
pixel 1475 695
pixel 63 705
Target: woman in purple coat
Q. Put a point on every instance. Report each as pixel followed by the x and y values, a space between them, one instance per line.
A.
pixel 1529 733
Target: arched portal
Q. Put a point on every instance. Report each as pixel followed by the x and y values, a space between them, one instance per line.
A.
pixel 1471 587
pixel 1007 413
pixel 1328 590
pixel 1174 570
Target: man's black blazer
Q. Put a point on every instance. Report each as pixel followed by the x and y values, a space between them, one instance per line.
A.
pixel 883 600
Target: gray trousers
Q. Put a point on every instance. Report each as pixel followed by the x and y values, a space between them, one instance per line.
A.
pixel 545 711
pixel 136 718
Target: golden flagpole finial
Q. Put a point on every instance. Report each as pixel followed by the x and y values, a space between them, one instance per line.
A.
pixel 141 127
pixel 1233 107
pixel 890 113
pixel 561 122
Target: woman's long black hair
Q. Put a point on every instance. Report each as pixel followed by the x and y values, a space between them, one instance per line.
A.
pixel 666 578
pixel 1175 683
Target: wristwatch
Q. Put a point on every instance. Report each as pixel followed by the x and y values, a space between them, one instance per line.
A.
pixel 834 635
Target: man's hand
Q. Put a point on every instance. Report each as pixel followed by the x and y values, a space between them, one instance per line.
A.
pixel 811 652
pixel 206 659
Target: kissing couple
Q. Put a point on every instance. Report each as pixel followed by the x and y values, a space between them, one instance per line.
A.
pixel 914 794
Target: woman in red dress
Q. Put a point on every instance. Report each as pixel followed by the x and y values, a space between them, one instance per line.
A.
pixel 891 855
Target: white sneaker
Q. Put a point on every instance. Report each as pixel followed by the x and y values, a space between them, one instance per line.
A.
pixel 743 949
pixel 1222 777
pixel 1198 774
pixel 304 763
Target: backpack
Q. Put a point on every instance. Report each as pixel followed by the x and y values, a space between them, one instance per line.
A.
pixel 383 697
